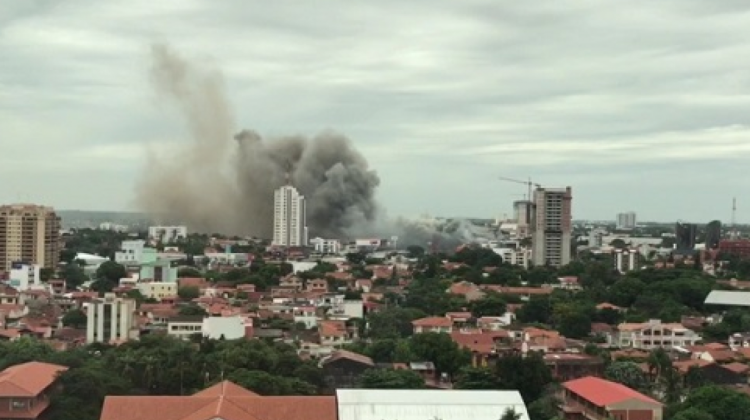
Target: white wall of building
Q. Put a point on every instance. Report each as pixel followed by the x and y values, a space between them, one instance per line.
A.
pixel 326 246
pixel 131 252
pixel 157 289
pixel 25 276
pixel 230 327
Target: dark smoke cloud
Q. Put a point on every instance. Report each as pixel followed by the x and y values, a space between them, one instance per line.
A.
pixel 222 182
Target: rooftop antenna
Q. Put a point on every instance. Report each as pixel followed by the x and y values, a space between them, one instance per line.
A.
pixel 733 232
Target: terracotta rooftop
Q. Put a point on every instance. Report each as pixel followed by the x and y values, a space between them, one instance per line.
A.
pixel 737 367
pixel 225 400
pixel 602 393
pixel 28 379
pixel 433 321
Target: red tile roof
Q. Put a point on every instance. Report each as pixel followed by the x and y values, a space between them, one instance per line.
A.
pixel 349 355
pixel 28 379
pixel 226 401
pixel 434 321
pixel 602 392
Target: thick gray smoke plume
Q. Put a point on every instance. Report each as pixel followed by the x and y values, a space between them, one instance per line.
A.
pixel 222 182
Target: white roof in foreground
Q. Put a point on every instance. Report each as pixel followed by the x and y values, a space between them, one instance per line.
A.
pixel 402 404
pixel 728 298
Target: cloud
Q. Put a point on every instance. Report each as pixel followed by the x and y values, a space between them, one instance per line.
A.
pixel 441 97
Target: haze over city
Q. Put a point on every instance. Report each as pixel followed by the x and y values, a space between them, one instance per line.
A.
pixel 644 110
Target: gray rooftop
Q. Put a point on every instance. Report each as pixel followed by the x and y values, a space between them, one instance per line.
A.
pixel 728 298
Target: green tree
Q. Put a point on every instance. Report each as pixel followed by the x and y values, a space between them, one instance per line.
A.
pixel 510 414
pixel 111 271
pixel 415 251
pixel 529 375
pixel 192 310
pixel 492 304
pixel 441 350
pixel 692 413
pixel 188 293
pixel 536 310
pixel 356 258
pixel 393 322
pixel 75 318
pixel 476 378
pixel 628 374
pixel 74 276
pixel 189 272
pixel 719 402
pixel 84 392
pixel 575 325
pixel 390 379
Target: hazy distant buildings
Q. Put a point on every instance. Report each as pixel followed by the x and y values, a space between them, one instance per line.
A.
pixel 29 234
pixel 289 217
pixel 713 234
pixel 523 212
pixel 626 220
pixel 685 234
pixel 167 234
pixel 552 226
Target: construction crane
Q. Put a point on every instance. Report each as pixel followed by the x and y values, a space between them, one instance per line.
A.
pixel 528 184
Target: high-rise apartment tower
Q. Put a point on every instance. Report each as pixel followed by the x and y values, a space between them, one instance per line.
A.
pixel 289 217
pixel 626 220
pixel 552 226
pixel 29 234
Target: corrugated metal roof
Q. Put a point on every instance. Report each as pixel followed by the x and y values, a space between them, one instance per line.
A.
pixel 728 297
pixel 374 404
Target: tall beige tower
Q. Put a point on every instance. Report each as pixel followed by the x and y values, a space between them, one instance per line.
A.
pixel 552 226
pixel 29 234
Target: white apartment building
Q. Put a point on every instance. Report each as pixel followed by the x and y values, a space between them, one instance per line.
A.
pixel 654 334
pixel 24 276
pixel 626 220
pixel 289 217
pixel 131 252
pixel 552 227
pixel 157 289
pixel 626 259
pixel 326 246
pixel 514 254
pixel 167 234
pixel 110 319
pixel 596 237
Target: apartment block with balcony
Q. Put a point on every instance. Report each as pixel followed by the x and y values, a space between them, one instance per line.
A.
pixel 654 334
pixel 110 320
pixel 29 234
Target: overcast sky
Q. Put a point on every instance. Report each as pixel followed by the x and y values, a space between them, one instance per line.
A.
pixel 641 105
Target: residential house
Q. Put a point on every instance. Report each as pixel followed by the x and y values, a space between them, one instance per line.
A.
pixel 468 290
pixel 317 285
pixel 483 345
pixel 334 334
pixel 291 281
pixel 654 334
pixel 306 315
pixel 438 324
pixel 157 289
pixel 739 340
pixel 592 398
pixel 524 293
pixel 342 369
pixel 714 373
pixel 25 389
pixel 603 333
pixel 185 326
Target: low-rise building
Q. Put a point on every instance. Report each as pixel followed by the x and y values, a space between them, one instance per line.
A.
pixel 626 260
pixel 342 369
pixel 25 389
pixel 435 324
pixel 654 334
pixel 110 319
pixel 157 289
pixel 592 398
pixel 184 327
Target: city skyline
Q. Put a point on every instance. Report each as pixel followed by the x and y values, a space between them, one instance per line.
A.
pixel 564 93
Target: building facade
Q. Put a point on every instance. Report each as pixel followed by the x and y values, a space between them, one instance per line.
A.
pixel 654 334
pixel 552 226
pixel 289 217
pixel 110 319
pixel 326 246
pixel 29 234
pixel 626 260
pixel 626 220
pixel 167 234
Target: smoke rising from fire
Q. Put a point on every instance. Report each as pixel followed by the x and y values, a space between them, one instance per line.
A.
pixel 220 181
